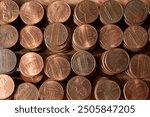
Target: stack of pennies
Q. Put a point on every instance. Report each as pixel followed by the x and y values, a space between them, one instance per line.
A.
pixel 85 12
pixel 114 61
pixel 84 37
pixel 31 67
pixel 57 37
pixel 110 36
pixel 57 67
pixel 135 38
pixel 78 88
pixel 111 12
pixel 135 12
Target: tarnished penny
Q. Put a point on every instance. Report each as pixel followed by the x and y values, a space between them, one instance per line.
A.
pixel 78 88
pixel 31 64
pixel 31 12
pixel 135 12
pixel 51 90
pixel 58 11
pixel 136 89
pixel 107 90
pixel 8 36
pixel 31 37
pixel 110 36
pixel 9 11
pixel 85 37
pixel 135 38
pixel 111 12
pixel 7 86
pixel 8 61
pixel 26 91
pixel 83 63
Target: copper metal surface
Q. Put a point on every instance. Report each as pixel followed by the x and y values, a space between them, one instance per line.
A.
pixel 8 36
pixel 26 91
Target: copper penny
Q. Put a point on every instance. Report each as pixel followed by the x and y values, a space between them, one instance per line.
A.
pixel 31 12
pixel 26 91
pixel 110 36
pixel 135 38
pixel 7 86
pixel 57 67
pixel 111 12
pixel 8 36
pixel 9 11
pixel 31 64
pixel 79 88
pixel 58 11
pixel 136 89
pixel 51 90
pixel 135 12
pixel 31 37
pixel 86 11
pixel 8 61
pixel 85 37
pixel 107 90
pixel 83 63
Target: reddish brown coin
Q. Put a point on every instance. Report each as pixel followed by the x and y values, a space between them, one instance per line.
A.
pixel 31 64
pixel 58 11
pixel 8 36
pixel 57 67
pixel 110 36
pixel 9 11
pixel 111 12
pixel 136 89
pixel 107 90
pixel 26 91
pixel 140 66
pixel 7 86
pixel 135 12
pixel 83 63
pixel 135 38
pixel 85 37
pixel 31 12
pixel 79 88
pixel 85 12
pixel 31 37
pixel 51 90
pixel 8 61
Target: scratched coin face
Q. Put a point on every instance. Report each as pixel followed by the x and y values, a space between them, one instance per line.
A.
pixel 78 88
pixel 51 90
pixel 7 86
pixel 83 63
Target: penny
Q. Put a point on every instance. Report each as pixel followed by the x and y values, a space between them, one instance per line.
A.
pixel 86 12
pixel 84 37
pixel 136 89
pixel 33 17
pixel 31 64
pixel 79 88
pixel 51 90
pixel 107 90
pixel 57 67
pixel 110 36
pixel 135 12
pixel 58 11
pixel 83 63
pixel 7 86
pixel 135 38
pixel 8 36
pixel 9 11
pixel 31 37
pixel 111 12
pixel 26 91
pixel 8 61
